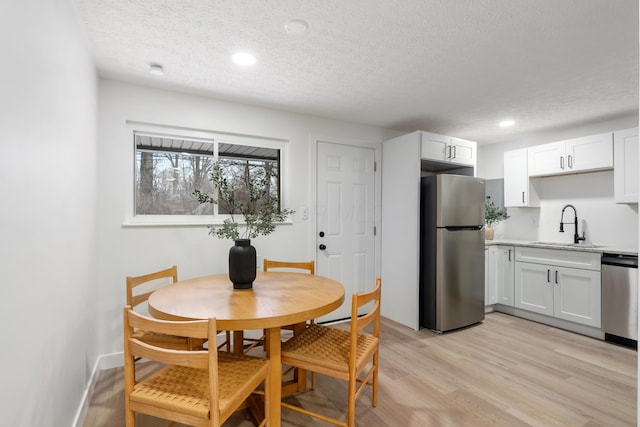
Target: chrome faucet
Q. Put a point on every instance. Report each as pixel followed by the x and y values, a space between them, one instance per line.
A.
pixel 576 236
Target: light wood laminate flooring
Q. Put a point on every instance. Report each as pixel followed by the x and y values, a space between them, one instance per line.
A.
pixel 504 372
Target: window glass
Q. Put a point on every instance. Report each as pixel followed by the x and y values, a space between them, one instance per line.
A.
pixel 167 172
pixel 238 162
pixel 168 169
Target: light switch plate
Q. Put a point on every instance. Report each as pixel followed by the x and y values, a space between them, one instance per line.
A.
pixel 304 212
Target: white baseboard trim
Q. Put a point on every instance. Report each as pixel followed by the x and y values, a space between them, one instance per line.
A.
pixel 106 361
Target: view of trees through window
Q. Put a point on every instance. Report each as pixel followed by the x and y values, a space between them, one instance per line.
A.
pixel 169 169
pixel 240 171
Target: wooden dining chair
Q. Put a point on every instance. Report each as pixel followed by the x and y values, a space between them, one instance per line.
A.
pixel 150 282
pixel 309 266
pixel 269 264
pixel 341 354
pixel 196 388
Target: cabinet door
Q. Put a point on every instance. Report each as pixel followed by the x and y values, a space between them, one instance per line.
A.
pixel 593 152
pixel 491 285
pixel 534 288
pixel 504 274
pixel 519 190
pixel 435 147
pixel 546 159
pixel 577 295
pixel 463 152
pixel 625 166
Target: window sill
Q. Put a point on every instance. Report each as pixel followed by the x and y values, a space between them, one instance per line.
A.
pixel 178 220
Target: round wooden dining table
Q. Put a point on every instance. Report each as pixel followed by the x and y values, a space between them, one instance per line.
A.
pixel 276 299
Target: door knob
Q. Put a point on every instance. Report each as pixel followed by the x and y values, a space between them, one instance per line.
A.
pixel 322 247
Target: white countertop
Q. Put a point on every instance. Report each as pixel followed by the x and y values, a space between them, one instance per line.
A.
pixel 565 246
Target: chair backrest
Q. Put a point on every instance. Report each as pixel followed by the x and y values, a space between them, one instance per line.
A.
pixel 134 281
pixel 358 323
pixel 310 266
pixel 201 359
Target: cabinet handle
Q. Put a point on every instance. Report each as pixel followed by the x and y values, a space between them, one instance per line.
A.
pixel 569 162
pixel 561 162
pixel 548 276
pixel 509 254
pixel 453 147
pixel 556 277
pixel 523 197
pixel 449 155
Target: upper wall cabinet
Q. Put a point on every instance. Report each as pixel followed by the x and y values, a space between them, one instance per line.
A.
pixel 546 159
pixel 625 166
pixel 448 149
pixel 584 154
pixel 519 190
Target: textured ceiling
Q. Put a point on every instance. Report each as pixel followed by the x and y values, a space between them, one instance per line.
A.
pixel 455 67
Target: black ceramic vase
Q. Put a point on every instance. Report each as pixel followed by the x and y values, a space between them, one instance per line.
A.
pixel 242 264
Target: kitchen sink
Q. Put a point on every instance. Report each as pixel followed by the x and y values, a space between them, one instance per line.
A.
pixel 567 245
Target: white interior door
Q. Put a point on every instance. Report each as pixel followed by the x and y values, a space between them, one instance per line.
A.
pixel 345 241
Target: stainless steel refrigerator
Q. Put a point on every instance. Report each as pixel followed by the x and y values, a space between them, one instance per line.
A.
pixel 451 251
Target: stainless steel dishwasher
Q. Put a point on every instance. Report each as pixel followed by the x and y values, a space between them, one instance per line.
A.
pixel 620 298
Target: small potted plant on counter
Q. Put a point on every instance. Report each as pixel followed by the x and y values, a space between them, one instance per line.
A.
pixel 492 215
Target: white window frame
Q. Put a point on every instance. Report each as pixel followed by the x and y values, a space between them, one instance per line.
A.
pixel 133 220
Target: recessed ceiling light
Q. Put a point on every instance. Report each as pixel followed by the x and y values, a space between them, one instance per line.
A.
pixel 243 58
pixel 156 69
pixel 296 27
pixel 507 123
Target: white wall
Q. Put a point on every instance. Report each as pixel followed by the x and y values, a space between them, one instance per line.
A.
pixel 136 250
pixel 604 221
pixel 48 100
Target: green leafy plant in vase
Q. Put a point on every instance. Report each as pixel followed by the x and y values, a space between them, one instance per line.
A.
pixel 492 215
pixel 248 194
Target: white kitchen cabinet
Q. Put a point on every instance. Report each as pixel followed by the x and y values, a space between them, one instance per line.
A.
pixel 546 159
pixel 503 264
pixel 441 148
pixel 589 153
pixel 434 147
pixel 577 295
pixel 519 189
pixel 490 285
pixel 533 288
pixel 562 284
pixel 625 166
pixel 499 274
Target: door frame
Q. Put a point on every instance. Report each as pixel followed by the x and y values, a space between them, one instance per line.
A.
pixel 313 192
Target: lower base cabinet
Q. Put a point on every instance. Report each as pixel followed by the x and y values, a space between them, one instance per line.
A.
pixel 490 288
pixel 571 294
pixel 502 273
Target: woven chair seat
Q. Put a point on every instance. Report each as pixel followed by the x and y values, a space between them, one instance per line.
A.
pixel 328 347
pixel 172 341
pixel 169 341
pixel 185 390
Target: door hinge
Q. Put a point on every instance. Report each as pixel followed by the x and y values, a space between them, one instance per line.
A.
pixel 375 166
pixel 374 230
